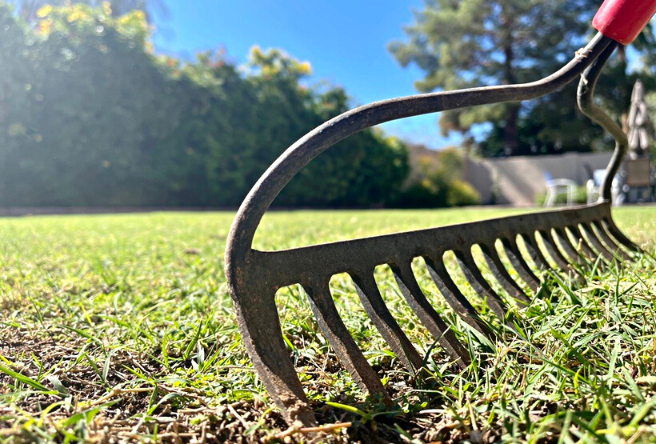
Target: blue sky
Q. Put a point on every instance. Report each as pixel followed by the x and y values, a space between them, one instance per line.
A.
pixel 345 41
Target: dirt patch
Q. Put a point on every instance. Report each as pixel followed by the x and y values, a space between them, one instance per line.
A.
pixel 104 402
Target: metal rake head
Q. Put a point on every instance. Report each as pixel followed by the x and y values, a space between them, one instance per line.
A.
pixel 566 236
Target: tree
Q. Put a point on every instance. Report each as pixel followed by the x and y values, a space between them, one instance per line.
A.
pixel 95 106
pixel 28 8
pixel 466 43
pixel 90 116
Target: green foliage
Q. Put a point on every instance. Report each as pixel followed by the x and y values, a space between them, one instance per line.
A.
pixel 462 194
pixel 90 116
pixel 97 103
pixel 439 183
pixel 469 43
pixel 28 9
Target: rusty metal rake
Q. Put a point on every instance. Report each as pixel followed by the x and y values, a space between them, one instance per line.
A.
pixel 570 236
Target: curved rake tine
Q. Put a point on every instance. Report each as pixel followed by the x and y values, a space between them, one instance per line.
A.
pixel 609 224
pixel 415 297
pixel 480 284
pixel 557 256
pixel 520 265
pixel 261 333
pixel 595 242
pixel 585 247
pixel 612 245
pixel 534 251
pixel 339 338
pixel 388 328
pixel 566 244
pixel 502 275
pixel 455 298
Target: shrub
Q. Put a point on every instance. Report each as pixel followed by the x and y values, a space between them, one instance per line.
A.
pixel 438 183
pixel 462 194
pixel 90 116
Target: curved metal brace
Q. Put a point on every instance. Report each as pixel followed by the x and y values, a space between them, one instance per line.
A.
pixel 585 98
pixel 323 137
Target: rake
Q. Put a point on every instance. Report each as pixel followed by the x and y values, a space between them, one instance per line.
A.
pixel 570 237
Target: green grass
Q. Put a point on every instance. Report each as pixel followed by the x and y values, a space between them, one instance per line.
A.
pixel 120 327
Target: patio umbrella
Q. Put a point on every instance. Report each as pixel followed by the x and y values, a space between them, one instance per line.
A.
pixel 639 125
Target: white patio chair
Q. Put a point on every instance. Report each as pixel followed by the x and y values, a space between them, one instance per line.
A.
pixel 556 187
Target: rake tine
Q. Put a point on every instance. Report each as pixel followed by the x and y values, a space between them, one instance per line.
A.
pixel 566 244
pixel 534 251
pixel 260 329
pixel 616 249
pixel 617 234
pixel 502 275
pixel 520 265
pixel 581 243
pixel 455 298
pixel 480 284
pixel 341 341
pixel 559 258
pixel 389 329
pixel 554 251
pixel 584 245
pixel 587 249
pixel 596 243
pixel 415 297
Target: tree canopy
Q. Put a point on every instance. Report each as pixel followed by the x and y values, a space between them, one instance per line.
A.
pixel 28 8
pixel 467 43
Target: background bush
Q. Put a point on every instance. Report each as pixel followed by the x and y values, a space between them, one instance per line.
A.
pixel 90 116
pixel 437 182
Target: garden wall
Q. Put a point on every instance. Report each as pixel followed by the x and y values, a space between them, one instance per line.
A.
pixel 517 180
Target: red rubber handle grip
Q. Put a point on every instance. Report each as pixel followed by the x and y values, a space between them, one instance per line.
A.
pixel 624 20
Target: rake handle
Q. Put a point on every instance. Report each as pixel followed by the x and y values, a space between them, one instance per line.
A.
pixel 624 20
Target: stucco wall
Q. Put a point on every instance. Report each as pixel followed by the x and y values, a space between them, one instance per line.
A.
pixel 519 179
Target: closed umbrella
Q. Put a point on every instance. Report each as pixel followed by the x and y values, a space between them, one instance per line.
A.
pixel 637 169
pixel 639 124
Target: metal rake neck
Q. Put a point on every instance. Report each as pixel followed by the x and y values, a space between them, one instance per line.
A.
pixel 585 96
pixel 323 137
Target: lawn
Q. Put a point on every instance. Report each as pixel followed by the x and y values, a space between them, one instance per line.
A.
pixel 119 327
